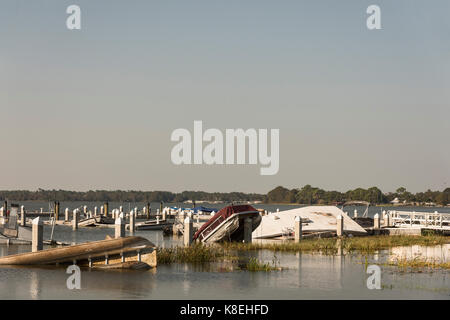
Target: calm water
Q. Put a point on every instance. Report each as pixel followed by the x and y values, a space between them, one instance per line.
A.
pixel 307 276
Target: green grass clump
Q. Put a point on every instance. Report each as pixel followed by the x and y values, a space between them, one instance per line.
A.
pixel 255 265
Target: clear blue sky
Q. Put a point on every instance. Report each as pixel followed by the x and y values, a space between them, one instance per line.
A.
pixel 94 109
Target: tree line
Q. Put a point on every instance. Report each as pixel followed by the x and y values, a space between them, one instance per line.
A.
pixel 132 196
pixel 304 195
pixel 313 195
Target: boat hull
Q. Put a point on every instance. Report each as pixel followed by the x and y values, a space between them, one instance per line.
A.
pixel 232 229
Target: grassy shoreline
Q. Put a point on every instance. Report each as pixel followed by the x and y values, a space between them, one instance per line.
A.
pixel 332 245
pixel 199 253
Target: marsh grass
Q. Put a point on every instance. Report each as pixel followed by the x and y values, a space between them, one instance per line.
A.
pixel 200 253
pixel 419 263
pixel 255 265
pixel 197 253
pixel 331 245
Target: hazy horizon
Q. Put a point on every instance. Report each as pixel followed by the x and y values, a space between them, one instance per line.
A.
pixel 94 108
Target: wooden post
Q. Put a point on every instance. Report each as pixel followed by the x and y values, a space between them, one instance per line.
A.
pixel 37 235
pixel 160 207
pixel 119 228
pixel 75 219
pixel 23 216
pixel 188 231
pixel 248 230
pixel 85 210
pixel 101 210
pixel 355 214
pixel 163 215
pixel 339 225
pixel 56 210
pixel 132 222
pixel 5 207
pixel 95 211
pixel 298 232
pixel 148 210
pixel 105 209
pixel 66 214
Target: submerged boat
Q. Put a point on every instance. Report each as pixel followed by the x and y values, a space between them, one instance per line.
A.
pixel 95 221
pixel 315 219
pixel 151 225
pixel 228 224
pixel 127 252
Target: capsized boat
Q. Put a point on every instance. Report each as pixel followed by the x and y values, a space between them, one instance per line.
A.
pixel 151 225
pixel 315 219
pixel 124 252
pixel 228 224
pixel 95 221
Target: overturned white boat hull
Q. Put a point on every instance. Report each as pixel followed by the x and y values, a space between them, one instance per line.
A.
pixel 314 219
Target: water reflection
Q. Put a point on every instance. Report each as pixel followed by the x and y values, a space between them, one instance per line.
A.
pixel 307 276
pixel 34 285
pixel 440 253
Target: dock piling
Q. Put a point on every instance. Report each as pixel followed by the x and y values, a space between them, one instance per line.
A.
pixel 66 214
pixel 188 231
pixel 376 221
pixel 387 219
pixel 95 211
pixel 105 209
pixel 23 216
pixel 56 210
pixel 248 230
pixel 147 207
pixel 75 219
pixel 298 232
pixel 339 225
pixel 37 235
pixel 133 214
pixel 355 214
pixel 119 228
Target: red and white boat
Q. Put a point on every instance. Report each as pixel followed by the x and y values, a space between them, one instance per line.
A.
pixel 228 224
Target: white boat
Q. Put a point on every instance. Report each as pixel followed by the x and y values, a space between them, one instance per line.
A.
pixel 314 219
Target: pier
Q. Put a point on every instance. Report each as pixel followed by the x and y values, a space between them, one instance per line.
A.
pixel 428 220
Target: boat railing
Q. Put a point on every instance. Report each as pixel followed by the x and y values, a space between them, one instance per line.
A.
pixel 212 225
